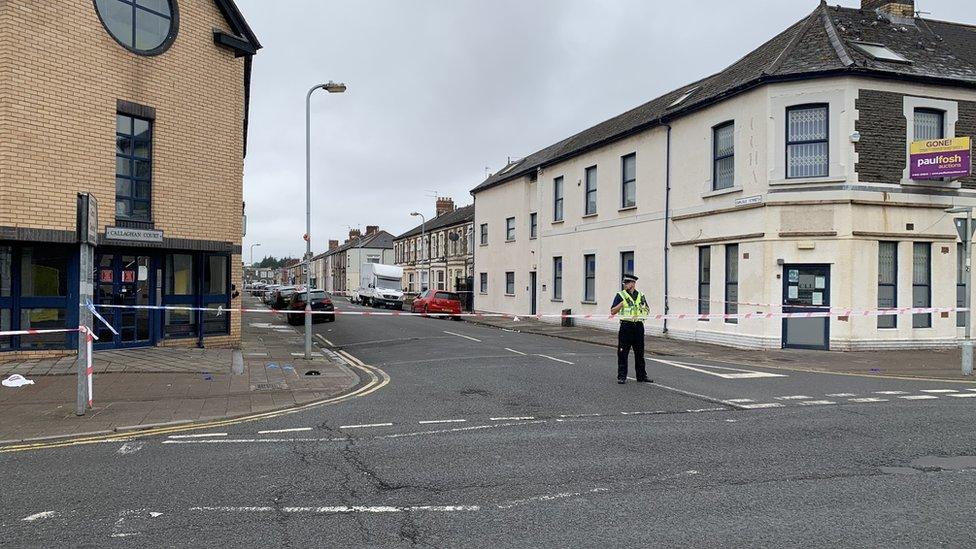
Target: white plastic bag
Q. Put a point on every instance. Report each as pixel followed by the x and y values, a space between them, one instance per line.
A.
pixel 17 380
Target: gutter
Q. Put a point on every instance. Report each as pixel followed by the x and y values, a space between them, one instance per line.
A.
pixel 667 221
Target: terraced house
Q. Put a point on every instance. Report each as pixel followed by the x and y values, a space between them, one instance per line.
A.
pixel 781 183
pixel 140 105
pixel 438 253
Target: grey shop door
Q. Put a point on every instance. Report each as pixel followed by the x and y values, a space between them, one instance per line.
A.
pixel 806 288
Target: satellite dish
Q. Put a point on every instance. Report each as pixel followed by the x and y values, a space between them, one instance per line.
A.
pixel 453 236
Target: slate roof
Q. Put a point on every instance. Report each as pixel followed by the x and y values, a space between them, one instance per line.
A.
pixel 819 45
pixel 380 239
pixel 458 216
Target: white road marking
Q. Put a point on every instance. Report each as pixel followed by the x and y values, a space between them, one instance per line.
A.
pixel 462 335
pixel 579 415
pixel 971 389
pixel 547 497
pixel 963 395
pixel 131 447
pixel 739 373
pixel 365 425
pixel 292 430
pixel 868 399
pixel 918 397
pixel 642 413
pixel 199 435
pixel 327 342
pixel 430 421
pixel 461 429
pixel 740 400
pixel 699 410
pixel 514 351
pixel 939 391
pixel 817 402
pixel 761 405
pixel 556 359
pixel 793 397
pixel 522 418
pixel 254 440
pixel 303 354
pixel 345 509
pixel 841 395
pixel 41 515
pixel 890 392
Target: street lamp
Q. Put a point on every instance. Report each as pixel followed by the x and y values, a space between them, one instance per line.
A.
pixel 252 252
pixel 423 240
pixel 965 228
pixel 331 87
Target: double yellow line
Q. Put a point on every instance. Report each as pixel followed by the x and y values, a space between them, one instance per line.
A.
pixel 377 380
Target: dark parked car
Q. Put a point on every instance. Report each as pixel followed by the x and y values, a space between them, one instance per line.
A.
pixel 320 302
pixel 281 296
pixel 437 301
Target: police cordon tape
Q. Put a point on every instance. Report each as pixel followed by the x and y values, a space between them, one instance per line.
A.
pixel 89 338
pixel 586 316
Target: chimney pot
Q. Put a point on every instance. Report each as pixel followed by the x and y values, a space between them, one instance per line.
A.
pixel 900 8
pixel 372 229
pixel 354 234
pixel 444 205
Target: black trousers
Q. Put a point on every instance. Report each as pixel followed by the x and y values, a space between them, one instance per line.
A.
pixel 631 336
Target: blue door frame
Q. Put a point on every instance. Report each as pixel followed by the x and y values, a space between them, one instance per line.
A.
pixel 118 283
pixel 806 300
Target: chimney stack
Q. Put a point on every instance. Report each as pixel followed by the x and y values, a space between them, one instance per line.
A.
pixel 444 205
pixel 898 8
pixel 333 244
pixel 354 234
pixel 372 229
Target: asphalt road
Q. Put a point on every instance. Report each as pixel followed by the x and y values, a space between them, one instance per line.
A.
pixel 489 438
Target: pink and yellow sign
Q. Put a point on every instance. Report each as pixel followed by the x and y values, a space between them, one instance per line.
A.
pixel 938 158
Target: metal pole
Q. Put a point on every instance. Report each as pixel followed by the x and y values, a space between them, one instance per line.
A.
pixel 967 344
pixel 308 218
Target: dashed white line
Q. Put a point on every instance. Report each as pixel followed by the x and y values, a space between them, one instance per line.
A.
pixel 761 405
pixel 579 415
pixel 740 400
pixel 462 335
pixel 520 418
pixel 841 395
pixel 514 351
pixel 430 421
pixel 868 399
pixel 939 391
pixel 817 402
pixel 556 359
pixel 918 397
pixel 38 516
pixel 199 435
pixel 891 392
pixel 793 397
pixel 963 395
pixel 365 425
pixel 292 430
pixel 642 413
pixel 345 509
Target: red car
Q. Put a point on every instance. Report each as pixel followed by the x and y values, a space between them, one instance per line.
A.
pixel 437 301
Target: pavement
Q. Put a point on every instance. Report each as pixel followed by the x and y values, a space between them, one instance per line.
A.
pixel 933 364
pixel 140 388
pixel 488 437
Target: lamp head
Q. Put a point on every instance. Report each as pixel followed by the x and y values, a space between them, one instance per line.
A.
pixel 334 87
pixel 415 214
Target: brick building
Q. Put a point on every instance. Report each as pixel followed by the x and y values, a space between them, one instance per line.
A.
pixel 440 252
pixel 337 269
pixel 781 183
pixel 143 105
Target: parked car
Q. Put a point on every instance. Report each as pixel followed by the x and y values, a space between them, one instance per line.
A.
pixel 257 289
pixel 268 293
pixel 320 302
pixel 280 297
pixel 437 301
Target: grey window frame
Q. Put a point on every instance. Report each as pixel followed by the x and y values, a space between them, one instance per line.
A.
pixel 590 190
pixel 627 183
pixel 623 262
pixel 589 278
pixel 886 322
pixel 825 140
pixel 731 282
pixel 509 229
pixel 131 159
pixel 926 110
pixel 557 278
pixel 533 225
pixel 509 281
pixel 922 320
pixel 484 234
pixel 717 157
pixel 174 26
pixel 704 280
pixel 558 199
pixel 483 282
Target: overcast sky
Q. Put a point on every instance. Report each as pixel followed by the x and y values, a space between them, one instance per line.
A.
pixel 440 90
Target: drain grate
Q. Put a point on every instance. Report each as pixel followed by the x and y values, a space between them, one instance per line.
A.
pixel 277 386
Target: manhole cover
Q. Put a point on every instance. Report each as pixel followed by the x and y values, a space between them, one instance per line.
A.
pixel 277 386
pixel 313 373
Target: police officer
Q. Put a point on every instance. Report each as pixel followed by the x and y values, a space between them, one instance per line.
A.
pixel 631 306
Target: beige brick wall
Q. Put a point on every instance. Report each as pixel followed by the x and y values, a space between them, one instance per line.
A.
pixel 60 76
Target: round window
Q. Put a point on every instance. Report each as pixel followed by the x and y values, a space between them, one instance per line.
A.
pixel 146 27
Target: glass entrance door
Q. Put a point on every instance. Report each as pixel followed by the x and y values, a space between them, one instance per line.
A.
pixel 123 279
pixel 806 288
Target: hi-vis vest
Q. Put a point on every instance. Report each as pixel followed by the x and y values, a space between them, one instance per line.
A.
pixel 633 310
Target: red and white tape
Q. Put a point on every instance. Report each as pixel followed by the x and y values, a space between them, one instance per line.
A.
pixel 831 313
pixel 90 337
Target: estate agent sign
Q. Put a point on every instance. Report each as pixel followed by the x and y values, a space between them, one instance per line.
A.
pixel 938 158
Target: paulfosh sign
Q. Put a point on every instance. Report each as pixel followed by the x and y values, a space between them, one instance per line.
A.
pixel 938 158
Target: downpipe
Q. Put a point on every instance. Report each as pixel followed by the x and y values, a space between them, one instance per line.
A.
pixel 667 225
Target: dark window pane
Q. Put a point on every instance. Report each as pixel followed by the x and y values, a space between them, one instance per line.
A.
pixel 43 319
pixel 123 144
pixel 123 208
pixel 159 6
pixel 179 274
pixel 215 322
pixel 6 270
pixel 123 123
pixel 141 189
pixel 141 149
pixel 929 124
pixel 123 167
pixel 215 278
pixel 5 326
pixel 118 19
pixel 142 169
pixel 140 210
pixel 123 187
pixel 44 272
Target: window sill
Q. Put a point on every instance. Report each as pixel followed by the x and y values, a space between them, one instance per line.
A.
pixel 512 240
pixel 554 300
pixel 558 221
pixel 627 208
pixel 806 180
pixel 589 215
pixel 585 302
pixel 483 245
pixel 482 293
pixel 533 237
pixel 509 295
pixel 721 192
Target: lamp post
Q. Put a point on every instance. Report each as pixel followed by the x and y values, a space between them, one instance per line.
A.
pixel 423 240
pixel 965 229
pixel 331 87
pixel 252 252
